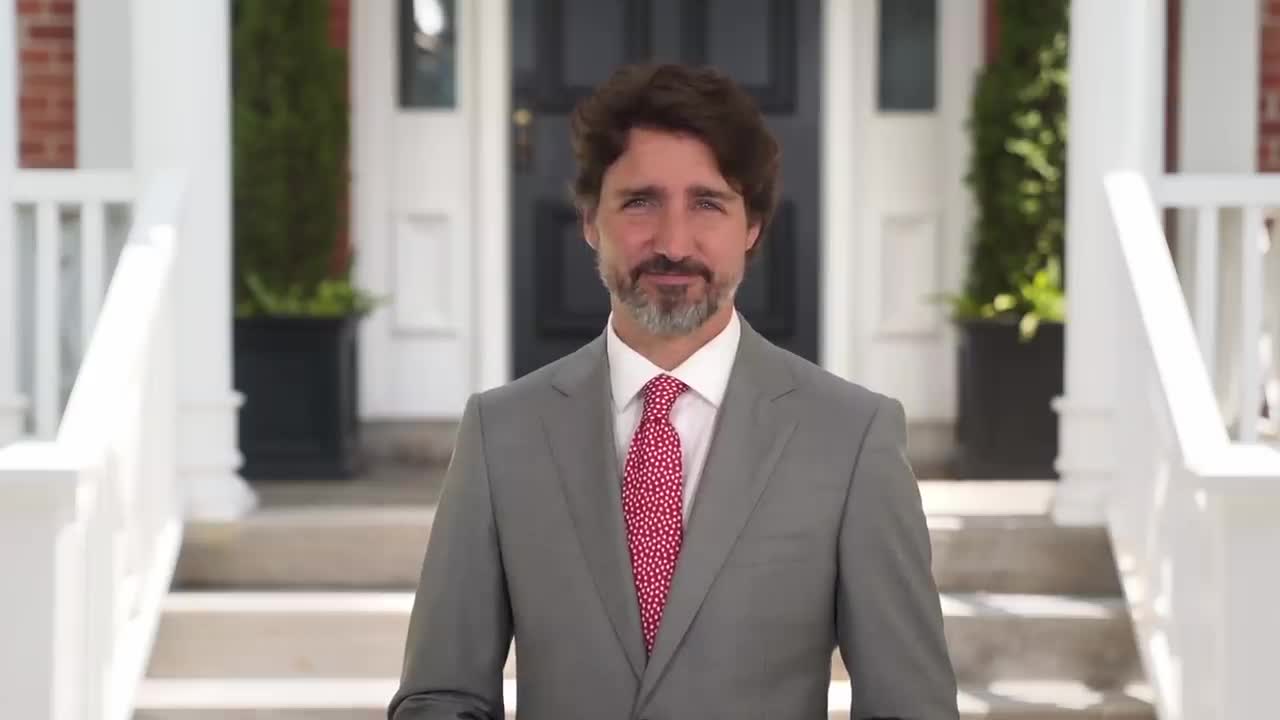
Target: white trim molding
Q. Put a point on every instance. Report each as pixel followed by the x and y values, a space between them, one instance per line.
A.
pixel 839 185
pixel 491 194
pixel 13 406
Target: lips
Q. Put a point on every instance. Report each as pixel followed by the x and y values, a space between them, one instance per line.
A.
pixel 662 270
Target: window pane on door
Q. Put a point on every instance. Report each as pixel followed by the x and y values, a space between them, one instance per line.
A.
pixel 428 36
pixel 908 54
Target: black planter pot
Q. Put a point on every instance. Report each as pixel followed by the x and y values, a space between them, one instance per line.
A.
pixel 298 377
pixel 1005 426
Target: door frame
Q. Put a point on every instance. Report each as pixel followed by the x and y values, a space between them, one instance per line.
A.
pixel 848 77
pixel 840 107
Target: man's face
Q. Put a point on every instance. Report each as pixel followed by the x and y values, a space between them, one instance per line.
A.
pixel 670 233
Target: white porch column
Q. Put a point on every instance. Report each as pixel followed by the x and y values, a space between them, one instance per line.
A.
pixel 12 407
pixel 181 119
pixel 1116 121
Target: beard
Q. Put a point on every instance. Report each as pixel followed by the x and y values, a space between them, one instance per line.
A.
pixel 669 310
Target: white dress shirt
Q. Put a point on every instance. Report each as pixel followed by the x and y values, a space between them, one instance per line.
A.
pixel 706 372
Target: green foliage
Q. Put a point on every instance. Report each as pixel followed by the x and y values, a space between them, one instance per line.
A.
pixel 329 298
pixel 1018 131
pixel 290 138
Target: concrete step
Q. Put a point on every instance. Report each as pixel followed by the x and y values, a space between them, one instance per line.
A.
pixel 361 635
pixel 314 548
pixel 381 548
pixel 366 699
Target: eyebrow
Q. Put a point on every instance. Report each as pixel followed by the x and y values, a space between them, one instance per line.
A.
pixel 698 191
pixel 702 191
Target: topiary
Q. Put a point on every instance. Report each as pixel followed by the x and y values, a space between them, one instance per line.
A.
pixel 1018 166
pixel 290 138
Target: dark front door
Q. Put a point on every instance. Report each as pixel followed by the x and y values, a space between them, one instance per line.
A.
pixel 562 49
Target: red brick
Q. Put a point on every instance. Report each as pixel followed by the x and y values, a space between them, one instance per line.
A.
pixel 27 104
pixel 52 125
pixel 52 32
pixel 62 7
pixel 46 82
pixel 34 56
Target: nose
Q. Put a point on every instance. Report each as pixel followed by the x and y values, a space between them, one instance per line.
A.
pixel 675 237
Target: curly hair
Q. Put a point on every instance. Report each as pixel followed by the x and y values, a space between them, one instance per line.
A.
pixel 701 101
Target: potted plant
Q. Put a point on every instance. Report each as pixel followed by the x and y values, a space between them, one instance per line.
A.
pixel 296 310
pixel 1010 312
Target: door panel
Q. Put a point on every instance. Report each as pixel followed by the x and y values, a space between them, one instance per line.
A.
pixel 561 50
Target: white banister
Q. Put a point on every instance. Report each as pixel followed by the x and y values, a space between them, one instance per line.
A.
pixel 104 186
pixel 51 193
pixel 40 658
pixel 1248 196
pixel 1206 283
pixel 1221 189
pixel 1194 517
pixel 91 520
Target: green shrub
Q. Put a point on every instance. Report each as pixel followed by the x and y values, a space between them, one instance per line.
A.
pixel 290 138
pixel 1018 131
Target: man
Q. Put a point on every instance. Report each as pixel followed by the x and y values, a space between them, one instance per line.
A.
pixel 680 520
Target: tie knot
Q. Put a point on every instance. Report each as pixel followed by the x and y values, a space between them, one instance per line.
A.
pixel 660 394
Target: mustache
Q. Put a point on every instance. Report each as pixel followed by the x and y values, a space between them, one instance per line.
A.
pixel 665 266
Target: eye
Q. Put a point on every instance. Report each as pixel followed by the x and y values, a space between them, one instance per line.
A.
pixel 636 202
pixel 708 204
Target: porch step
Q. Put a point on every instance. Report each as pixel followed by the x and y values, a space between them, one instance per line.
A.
pixel 381 548
pixel 308 547
pixel 361 635
pixel 366 699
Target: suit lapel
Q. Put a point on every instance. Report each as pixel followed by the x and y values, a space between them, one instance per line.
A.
pixel 579 427
pixel 749 437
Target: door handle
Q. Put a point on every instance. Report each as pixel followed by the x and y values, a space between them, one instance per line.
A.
pixel 522 118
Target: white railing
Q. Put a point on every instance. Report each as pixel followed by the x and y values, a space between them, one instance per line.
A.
pixel 1194 516
pixel 1244 203
pixel 57 199
pixel 90 522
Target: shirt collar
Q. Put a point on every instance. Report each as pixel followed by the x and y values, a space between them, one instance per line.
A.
pixel 706 372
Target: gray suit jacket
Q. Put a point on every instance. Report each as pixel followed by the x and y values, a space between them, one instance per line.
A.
pixel 807 533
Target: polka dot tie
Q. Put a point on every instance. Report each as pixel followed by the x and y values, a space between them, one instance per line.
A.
pixel 652 501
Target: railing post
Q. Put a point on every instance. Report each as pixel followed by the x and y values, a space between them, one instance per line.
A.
pixel 1252 237
pixel 1205 289
pixel 1247 586
pixel 12 406
pixel 42 554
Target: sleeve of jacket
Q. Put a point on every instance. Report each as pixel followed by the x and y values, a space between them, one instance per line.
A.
pixel 460 629
pixel 889 615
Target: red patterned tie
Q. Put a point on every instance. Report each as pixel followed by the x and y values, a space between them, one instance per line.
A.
pixel 652 500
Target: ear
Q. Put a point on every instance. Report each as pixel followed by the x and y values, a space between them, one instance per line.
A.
pixel 589 231
pixel 753 234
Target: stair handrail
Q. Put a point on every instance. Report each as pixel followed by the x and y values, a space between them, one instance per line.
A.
pixel 1194 517
pixel 91 521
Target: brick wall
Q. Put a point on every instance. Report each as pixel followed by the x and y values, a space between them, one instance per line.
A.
pixel 47 85
pixel 1269 90
pixel 339 35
